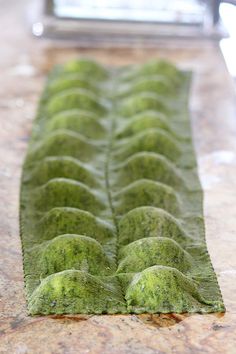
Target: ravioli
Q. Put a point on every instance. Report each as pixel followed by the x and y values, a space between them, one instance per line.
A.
pixel 111 214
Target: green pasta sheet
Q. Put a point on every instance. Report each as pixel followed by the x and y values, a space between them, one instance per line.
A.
pixel 111 205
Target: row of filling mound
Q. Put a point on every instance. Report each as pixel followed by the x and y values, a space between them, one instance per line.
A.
pixel 104 193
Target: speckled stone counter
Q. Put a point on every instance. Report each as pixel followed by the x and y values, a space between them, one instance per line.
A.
pixel 24 63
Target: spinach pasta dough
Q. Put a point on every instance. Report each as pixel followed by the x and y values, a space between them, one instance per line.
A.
pixel 111 206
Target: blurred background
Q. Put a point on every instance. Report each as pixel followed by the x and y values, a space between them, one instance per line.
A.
pixel 92 23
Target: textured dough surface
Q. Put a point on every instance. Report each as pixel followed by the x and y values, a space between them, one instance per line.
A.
pixel 111 206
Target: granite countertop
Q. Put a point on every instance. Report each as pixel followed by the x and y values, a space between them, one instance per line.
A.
pixel 24 63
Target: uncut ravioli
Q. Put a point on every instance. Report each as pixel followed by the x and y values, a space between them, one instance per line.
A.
pixel 111 213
